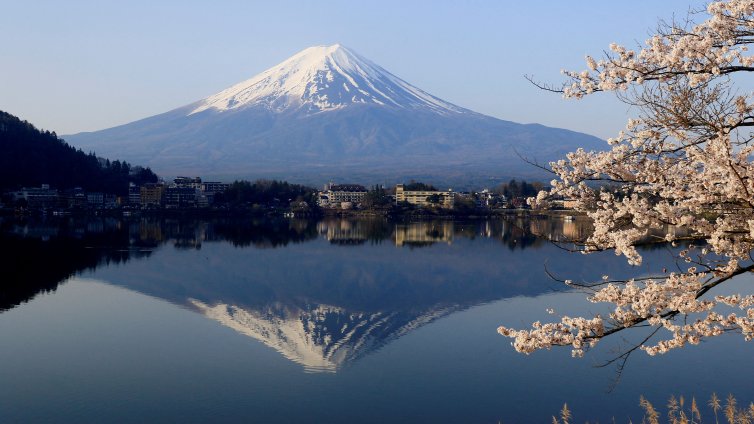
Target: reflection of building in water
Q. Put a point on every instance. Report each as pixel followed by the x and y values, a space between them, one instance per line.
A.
pixel 321 338
pixel 488 230
pixel 576 230
pixel 343 231
pixel 185 235
pixel 676 231
pixel 546 228
pixel 659 234
pixel 44 232
pixel 514 234
pixel 419 233
pixel 150 231
pixel 190 236
pixel 561 229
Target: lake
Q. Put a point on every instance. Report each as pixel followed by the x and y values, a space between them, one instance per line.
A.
pixel 337 321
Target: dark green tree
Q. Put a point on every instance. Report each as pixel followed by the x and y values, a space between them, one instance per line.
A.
pixel 376 197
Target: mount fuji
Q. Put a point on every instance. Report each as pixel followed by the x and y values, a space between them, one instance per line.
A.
pixel 328 113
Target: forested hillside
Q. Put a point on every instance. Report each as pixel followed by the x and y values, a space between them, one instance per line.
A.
pixel 30 157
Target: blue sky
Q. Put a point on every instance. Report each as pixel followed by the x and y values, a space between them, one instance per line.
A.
pixel 86 65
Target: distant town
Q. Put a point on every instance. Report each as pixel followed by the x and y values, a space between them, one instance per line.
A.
pixel 274 197
pixel 42 174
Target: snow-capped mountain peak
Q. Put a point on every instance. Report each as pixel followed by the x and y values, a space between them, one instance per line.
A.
pixel 326 114
pixel 324 78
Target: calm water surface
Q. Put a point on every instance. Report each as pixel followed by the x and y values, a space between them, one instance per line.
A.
pixel 333 321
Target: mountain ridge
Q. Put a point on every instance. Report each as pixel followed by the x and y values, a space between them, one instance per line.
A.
pixel 328 113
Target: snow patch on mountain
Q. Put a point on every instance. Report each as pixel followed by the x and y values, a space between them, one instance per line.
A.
pixel 324 78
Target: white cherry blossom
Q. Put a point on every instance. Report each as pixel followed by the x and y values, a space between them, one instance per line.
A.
pixel 684 162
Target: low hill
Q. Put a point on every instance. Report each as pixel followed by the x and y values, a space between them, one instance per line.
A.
pixel 30 157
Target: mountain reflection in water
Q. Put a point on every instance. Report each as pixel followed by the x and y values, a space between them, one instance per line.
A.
pixel 322 293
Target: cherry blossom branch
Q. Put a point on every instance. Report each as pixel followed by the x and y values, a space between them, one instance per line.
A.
pixel 683 166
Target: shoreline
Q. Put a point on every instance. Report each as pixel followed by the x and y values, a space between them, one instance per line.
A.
pixel 414 214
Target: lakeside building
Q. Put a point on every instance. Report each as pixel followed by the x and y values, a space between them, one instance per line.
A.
pixel 95 199
pixel 192 191
pixel 204 200
pixel 151 194
pixel 44 197
pixel 207 191
pixel 213 187
pixel 37 197
pixel 569 203
pixel 99 200
pixel 188 182
pixel 335 195
pixel 73 198
pixel 134 194
pixel 563 203
pixel 180 197
pixel 183 192
pixel 445 199
pixel 489 199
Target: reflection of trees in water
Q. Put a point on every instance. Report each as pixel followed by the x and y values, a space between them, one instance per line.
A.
pixel 37 256
pixel 514 232
pixel 561 229
pixel 348 242
pixel 190 233
pixel 346 309
pixel 417 244
pixel 40 254
pixel 350 304
pixel 526 232
pixel 265 233
pixel 517 238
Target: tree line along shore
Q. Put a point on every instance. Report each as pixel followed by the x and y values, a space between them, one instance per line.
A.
pixel 41 174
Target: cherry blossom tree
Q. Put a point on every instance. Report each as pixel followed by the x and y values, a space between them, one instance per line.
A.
pixel 686 161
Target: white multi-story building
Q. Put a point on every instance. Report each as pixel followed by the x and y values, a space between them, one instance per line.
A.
pixel 336 194
pixel 188 182
pixel 445 199
pixel 213 187
pixel 42 196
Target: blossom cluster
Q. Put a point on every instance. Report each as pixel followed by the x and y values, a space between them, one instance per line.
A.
pixel 577 332
pixel 715 47
pixel 683 167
